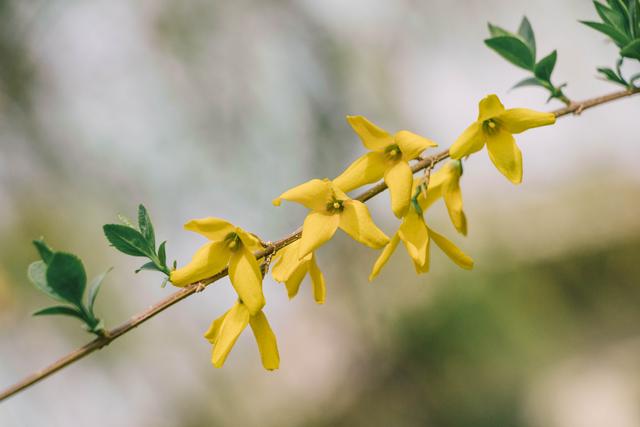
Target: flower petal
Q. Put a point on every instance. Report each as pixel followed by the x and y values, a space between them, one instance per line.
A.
pixel 424 268
pixel 506 155
pixel 314 194
pixel 212 228
pixel 365 170
pixel 246 279
pixel 356 221
pixel 399 179
pixel 490 107
pixel 232 326
pixel 452 251
pixel 295 279
pixel 213 333
pixel 414 235
pixel 373 137
pixel 287 261
pixel 470 141
pixel 210 259
pixel 412 144
pixel 266 340
pixel 317 280
pixel 317 229
pixel 516 120
pixel 453 200
pixel 384 256
pixel 251 241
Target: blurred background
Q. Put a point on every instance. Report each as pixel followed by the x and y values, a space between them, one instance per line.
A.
pixel 210 108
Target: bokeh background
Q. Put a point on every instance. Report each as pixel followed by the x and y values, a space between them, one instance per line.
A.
pixel 200 108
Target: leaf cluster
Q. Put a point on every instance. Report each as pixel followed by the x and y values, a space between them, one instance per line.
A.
pixel 621 23
pixel 62 276
pixel 138 242
pixel 520 49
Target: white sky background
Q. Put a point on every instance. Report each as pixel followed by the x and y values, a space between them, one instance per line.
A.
pixel 203 108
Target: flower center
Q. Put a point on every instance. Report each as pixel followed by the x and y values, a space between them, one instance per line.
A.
pixel 490 126
pixel 233 241
pixel 393 152
pixel 335 205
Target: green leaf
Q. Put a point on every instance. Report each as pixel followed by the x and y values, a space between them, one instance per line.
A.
pixel 611 16
pixel 146 227
pixel 127 240
pixel 611 76
pixel 44 250
pixel 633 78
pixel 37 274
pixel 96 283
pixel 632 50
pixel 496 31
pixel 529 81
pixel 513 50
pixel 618 38
pixel 66 276
pixel 148 266
pixel 162 254
pixel 526 32
pixel 64 310
pixel 544 68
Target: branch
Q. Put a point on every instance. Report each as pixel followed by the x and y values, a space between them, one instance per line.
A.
pixel 98 343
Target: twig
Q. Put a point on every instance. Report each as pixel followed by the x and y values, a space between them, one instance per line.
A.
pixel 135 321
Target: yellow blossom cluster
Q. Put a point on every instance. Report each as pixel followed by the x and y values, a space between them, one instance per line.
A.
pixel 330 208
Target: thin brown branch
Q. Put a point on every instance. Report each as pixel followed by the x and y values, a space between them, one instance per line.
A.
pixel 135 321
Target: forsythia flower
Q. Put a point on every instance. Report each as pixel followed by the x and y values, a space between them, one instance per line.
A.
pixel 330 209
pixel 389 158
pixel 495 128
pixel 232 246
pixel 225 330
pixel 291 270
pixel 445 183
pixel 416 237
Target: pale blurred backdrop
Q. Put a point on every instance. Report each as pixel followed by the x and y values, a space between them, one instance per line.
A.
pixel 212 108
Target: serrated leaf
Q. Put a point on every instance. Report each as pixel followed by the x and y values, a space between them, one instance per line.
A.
pixel 44 250
pixel 67 277
pixel 529 81
pixel 96 283
pixel 60 310
pixel 632 50
pixel 526 32
pixel 37 274
pixel 162 253
pixel 127 240
pixel 545 66
pixel 513 50
pixel 148 266
pixel 618 38
pixel 146 227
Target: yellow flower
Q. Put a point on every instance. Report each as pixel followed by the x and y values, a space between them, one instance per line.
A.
pixel 291 270
pixel 445 183
pixel 389 158
pixel 495 128
pixel 416 237
pixel 225 330
pixel 232 246
pixel 330 209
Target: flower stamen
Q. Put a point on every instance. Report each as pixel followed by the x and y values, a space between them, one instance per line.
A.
pixel 233 241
